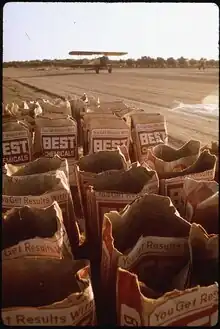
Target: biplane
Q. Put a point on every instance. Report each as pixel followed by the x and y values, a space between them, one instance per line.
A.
pixel 98 63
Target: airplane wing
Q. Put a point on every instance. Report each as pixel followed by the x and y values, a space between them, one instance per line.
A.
pixel 89 53
pixel 114 53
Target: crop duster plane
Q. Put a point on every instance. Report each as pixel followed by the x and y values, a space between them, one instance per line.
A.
pixel 96 64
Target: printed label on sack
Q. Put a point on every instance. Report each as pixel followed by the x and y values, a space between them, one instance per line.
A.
pixel 107 201
pixel 108 139
pixel 106 133
pixel 192 308
pixel 16 150
pixel 41 247
pixel 154 246
pixel 63 145
pixel 77 310
pixel 101 144
pixel 59 140
pixel 43 201
pixel 150 135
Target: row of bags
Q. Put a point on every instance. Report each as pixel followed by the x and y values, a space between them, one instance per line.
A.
pixel 45 128
pixel 160 281
pixel 106 176
pixel 42 281
pixel 60 127
pixel 41 240
pixel 83 229
pixel 128 225
pixel 45 118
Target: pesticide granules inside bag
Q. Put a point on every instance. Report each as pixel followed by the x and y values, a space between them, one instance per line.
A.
pixel 191 307
pixel 17 143
pixel 56 135
pixel 40 191
pixel 39 166
pixel 172 183
pixel 106 135
pixel 115 197
pixel 47 292
pixel 30 232
pixel 147 130
pixel 165 159
pixel 195 192
pixel 204 251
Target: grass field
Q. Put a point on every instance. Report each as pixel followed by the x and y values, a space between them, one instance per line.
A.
pixel 151 89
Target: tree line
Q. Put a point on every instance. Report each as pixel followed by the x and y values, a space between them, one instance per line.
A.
pixel 144 61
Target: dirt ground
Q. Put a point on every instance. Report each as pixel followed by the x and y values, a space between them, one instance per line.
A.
pixel 151 89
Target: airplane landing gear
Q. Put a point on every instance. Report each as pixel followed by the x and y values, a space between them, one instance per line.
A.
pixel 110 70
pixel 97 70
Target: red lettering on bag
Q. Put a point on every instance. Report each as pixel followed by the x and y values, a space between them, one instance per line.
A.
pixel 61 142
pixel 102 144
pixel 15 147
pixel 151 139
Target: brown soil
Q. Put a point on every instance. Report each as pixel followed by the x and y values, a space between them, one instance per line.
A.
pixel 151 89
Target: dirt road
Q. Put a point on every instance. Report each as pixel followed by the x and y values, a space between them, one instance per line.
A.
pixel 151 89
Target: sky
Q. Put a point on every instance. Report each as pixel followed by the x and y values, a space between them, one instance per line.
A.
pixel 45 30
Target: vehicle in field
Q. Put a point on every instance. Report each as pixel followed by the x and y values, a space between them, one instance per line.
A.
pixel 98 63
pixel 202 64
